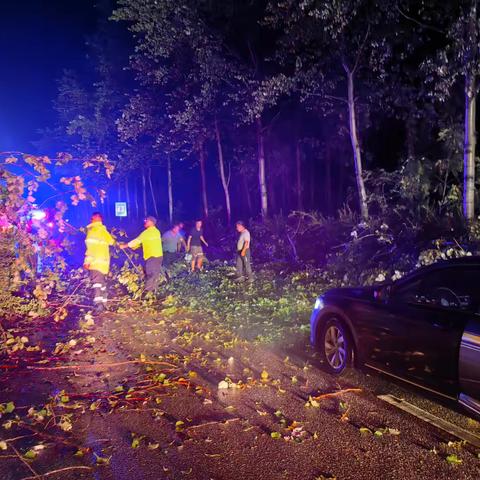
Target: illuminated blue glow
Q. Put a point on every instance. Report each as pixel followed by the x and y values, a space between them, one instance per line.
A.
pixel 319 304
pixel 37 214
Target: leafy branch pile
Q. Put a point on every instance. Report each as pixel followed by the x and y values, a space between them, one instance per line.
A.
pixel 25 241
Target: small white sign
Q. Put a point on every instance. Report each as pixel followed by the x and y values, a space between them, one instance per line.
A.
pixel 120 209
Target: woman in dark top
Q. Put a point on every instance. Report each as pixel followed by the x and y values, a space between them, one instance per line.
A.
pixel 194 245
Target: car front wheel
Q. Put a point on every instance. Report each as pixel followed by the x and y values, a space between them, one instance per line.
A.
pixel 335 346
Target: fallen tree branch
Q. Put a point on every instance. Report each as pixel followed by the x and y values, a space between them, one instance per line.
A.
pixel 60 470
pixel 336 394
pixel 18 438
pixel 101 365
pixel 47 436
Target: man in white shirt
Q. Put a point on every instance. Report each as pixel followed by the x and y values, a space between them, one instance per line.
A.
pixel 243 256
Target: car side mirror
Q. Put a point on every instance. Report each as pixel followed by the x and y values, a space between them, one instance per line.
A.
pixel 382 293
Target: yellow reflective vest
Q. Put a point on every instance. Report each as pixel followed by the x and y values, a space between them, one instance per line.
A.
pixel 98 243
pixel 151 240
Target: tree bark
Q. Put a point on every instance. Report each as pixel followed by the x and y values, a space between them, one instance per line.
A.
pixel 470 110
pixel 201 154
pixel 144 192
pixel 170 189
pixel 298 162
pixel 152 192
pixel 225 180
pixel 357 155
pixel 469 149
pixel 261 168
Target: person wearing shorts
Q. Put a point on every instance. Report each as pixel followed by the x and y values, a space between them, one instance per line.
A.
pixel 194 245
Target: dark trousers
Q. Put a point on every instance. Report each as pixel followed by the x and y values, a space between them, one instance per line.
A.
pixel 153 270
pixel 169 258
pixel 99 288
pixel 244 265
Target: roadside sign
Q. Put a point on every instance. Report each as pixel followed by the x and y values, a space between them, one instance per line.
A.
pixel 120 209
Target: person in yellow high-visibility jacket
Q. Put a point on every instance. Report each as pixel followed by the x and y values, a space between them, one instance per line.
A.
pixel 151 241
pixel 97 259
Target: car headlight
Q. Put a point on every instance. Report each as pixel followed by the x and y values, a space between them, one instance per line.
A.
pixel 319 304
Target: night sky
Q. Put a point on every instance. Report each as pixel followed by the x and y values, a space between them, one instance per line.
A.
pixel 38 39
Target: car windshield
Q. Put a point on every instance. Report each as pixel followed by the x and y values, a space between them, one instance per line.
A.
pixel 455 287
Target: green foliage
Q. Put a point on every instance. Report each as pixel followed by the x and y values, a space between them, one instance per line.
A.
pixel 278 302
pixel 23 290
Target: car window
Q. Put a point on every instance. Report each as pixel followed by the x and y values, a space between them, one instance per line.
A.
pixel 456 287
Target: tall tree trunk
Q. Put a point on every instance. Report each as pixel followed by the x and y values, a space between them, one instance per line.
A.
pixel 144 192
pixel 224 179
pixel 152 191
pixel 170 189
pixel 469 149
pixel 203 175
pixel 298 162
pixel 470 110
pixel 262 183
pixel 357 155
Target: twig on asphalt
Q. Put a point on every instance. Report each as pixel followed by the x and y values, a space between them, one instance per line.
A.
pixel 336 394
pixel 101 365
pixel 208 424
pixel 17 453
pixel 18 438
pixel 47 436
pixel 60 470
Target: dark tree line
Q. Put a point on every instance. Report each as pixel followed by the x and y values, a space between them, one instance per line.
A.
pixel 273 106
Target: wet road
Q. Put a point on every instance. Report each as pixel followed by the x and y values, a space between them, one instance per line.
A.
pixel 273 422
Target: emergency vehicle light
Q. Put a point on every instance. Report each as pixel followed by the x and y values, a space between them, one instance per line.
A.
pixel 38 215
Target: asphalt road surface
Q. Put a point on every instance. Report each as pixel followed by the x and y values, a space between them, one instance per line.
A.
pixel 141 397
